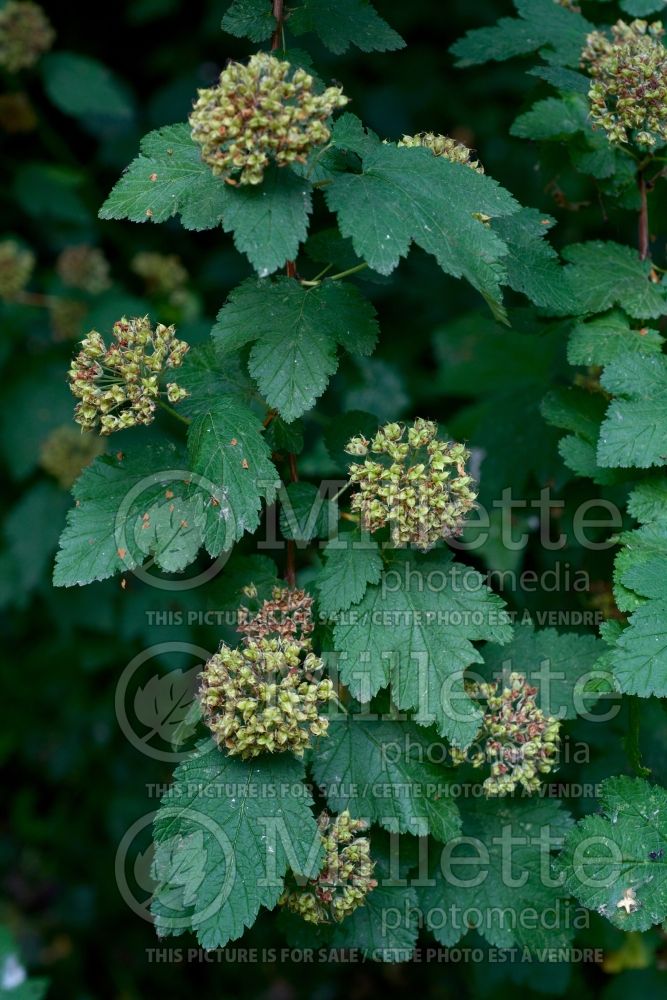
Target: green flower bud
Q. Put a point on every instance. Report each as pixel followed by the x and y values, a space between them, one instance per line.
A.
pixel 357 446
pixel 175 393
pixel 260 113
pixel 25 34
pixel 346 876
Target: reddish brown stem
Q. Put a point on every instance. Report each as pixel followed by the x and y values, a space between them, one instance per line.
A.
pixel 277 39
pixel 643 231
pixel 290 568
pixel 35 299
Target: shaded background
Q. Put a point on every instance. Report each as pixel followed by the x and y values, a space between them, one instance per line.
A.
pixel 74 784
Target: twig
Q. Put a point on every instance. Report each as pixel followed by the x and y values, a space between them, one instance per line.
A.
pixel 35 299
pixel 290 567
pixel 335 277
pixel 340 492
pixel 632 745
pixel 277 40
pixel 643 232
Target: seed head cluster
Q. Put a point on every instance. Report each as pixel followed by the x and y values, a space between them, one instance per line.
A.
pixel 25 35
pixel 520 741
pixel 259 112
pixel 628 95
pixel 417 485
pixel 265 696
pixel 166 278
pixel 346 877
pixel 84 267
pixel 443 145
pixel 16 267
pixel 66 452
pixel 163 273
pixel 118 386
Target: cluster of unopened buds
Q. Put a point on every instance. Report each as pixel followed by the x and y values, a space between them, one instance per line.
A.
pixel 66 452
pixel 16 267
pixel 628 95
pixel 443 145
pixel 164 276
pixel 520 742
pixel 265 696
pixel 25 34
pixel 345 879
pixel 259 112
pixel 84 267
pixel 119 386
pixel 417 485
pixel 163 273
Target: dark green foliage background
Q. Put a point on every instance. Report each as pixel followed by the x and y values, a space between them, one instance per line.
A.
pixel 72 783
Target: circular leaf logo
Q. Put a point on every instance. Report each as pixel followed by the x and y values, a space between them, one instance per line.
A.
pixel 163 522
pixel 159 712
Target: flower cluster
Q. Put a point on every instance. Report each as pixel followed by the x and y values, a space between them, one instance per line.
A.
pixel 265 695
pixel 84 267
pixel 418 485
pixel 345 879
pixel 262 111
pixel 118 386
pixel 16 267
pixel 66 452
pixel 25 34
pixel 443 145
pixel 163 273
pixel 287 616
pixel 521 742
pixel 628 95
pixel 166 278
